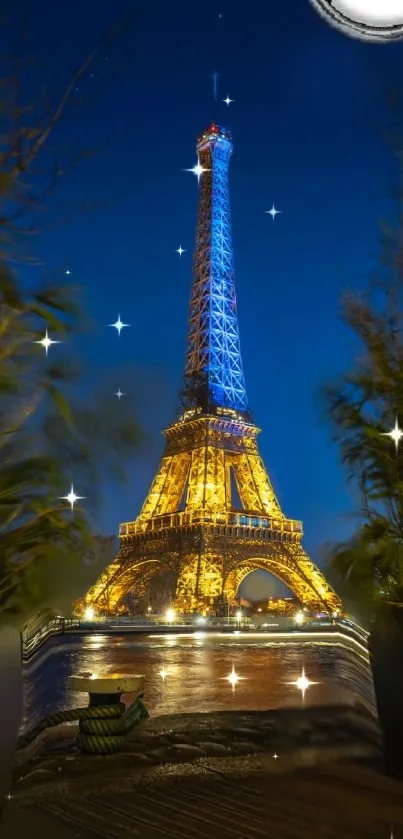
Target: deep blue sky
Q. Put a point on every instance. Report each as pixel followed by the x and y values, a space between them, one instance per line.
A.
pixel 306 121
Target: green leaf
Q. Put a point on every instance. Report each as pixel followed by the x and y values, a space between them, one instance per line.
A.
pixel 61 403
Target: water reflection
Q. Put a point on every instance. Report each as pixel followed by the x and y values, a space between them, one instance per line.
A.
pixel 189 673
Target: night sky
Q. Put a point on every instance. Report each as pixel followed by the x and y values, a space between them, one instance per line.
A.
pixel 307 120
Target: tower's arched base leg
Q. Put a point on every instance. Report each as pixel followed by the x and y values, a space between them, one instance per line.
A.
pixel 205 573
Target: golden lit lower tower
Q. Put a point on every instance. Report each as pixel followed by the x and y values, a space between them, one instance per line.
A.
pixel 211 515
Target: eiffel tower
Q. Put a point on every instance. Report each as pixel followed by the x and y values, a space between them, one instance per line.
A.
pixel 190 525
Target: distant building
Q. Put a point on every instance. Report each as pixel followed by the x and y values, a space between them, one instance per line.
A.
pixel 283 605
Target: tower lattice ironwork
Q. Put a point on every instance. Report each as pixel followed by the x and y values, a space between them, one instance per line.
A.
pixel 190 524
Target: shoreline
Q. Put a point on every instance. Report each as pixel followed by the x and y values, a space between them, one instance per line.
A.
pixel 49 632
pixel 298 736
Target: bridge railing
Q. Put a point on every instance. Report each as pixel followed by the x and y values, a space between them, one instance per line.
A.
pixel 185 519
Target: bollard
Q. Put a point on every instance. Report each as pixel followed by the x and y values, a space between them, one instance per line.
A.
pixel 104 724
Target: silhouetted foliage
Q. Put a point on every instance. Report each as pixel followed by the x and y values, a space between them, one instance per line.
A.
pixel 49 436
pixel 362 406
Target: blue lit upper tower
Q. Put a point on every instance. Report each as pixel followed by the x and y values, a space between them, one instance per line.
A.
pixel 213 372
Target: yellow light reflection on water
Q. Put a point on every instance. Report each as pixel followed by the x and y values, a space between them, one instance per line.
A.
pixel 186 671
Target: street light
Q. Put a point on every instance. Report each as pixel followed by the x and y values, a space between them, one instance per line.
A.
pixel 239 616
pixel 299 618
pixel 89 613
pixel 170 616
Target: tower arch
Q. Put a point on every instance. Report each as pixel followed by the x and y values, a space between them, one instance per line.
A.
pixel 301 585
pixel 122 577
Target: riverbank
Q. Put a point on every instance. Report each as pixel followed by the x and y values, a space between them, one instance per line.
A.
pixel 220 774
pixel 39 635
pixel 348 730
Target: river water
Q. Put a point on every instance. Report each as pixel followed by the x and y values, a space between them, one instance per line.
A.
pixel 196 667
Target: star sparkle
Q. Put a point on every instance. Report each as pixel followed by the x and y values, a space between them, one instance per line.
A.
pixel 119 394
pixel 396 434
pixel 273 212
pixel 233 678
pixel 46 342
pixel 180 250
pixel 119 325
pixel 163 673
pixel 72 497
pixel 198 170
pixel 67 271
pixel 228 101
pixel 275 756
pixel 302 683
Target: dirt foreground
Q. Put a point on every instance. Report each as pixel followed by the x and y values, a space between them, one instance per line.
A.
pixel 287 774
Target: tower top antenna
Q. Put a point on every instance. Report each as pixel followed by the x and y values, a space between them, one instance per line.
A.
pixel 214 133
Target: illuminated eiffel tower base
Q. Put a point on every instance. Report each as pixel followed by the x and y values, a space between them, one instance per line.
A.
pixel 211 516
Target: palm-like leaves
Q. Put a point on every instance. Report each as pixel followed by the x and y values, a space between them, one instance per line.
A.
pixel 362 406
pixel 42 543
